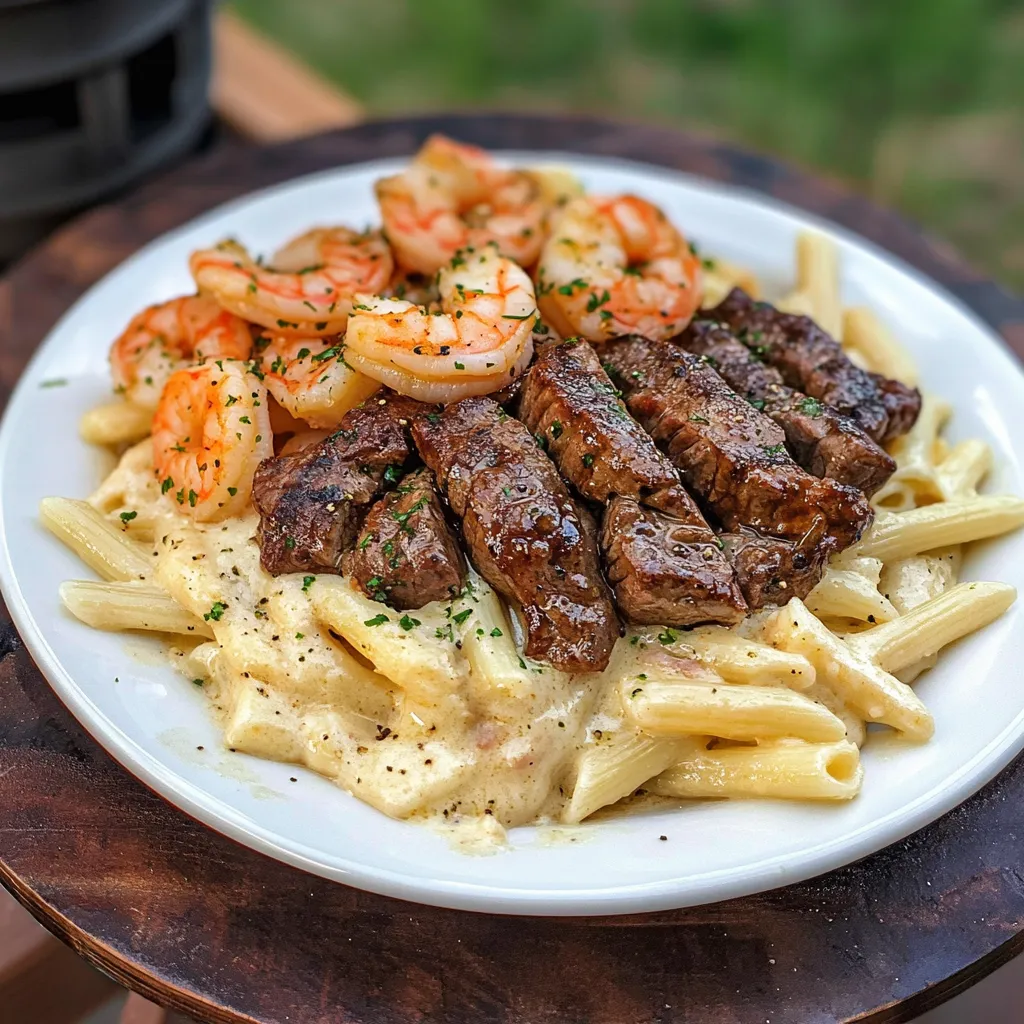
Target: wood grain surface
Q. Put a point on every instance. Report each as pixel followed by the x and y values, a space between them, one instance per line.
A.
pixel 199 923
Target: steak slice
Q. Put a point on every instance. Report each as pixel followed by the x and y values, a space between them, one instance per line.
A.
pixel 770 570
pixel 666 572
pixel 312 502
pixel 524 533
pixel 811 360
pixel 569 402
pixel 407 555
pixel 821 440
pixel 732 456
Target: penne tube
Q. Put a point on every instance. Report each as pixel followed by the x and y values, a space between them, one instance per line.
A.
pixel 912 581
pixel 926 629
pixel 415 650
pixel 620 763
pixel 728 711
pixel 118 422
pixel 798 303
pixel 961 472
pixel 734 658
pixel 817 275
pixel 871 691
pixel 914 453
pixel 901 534
pixel 783 771
pixel 95 539
pixel 117 606
pixel 865 333
pixel 846 594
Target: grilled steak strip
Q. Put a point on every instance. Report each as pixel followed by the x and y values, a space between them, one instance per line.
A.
pixel 811 360
pixel 821 440
pixel 770 570
pixel 732 456
pixel 667 572
pixel 524 533
pixel 407 555
pixel 666 566
pixel 312 502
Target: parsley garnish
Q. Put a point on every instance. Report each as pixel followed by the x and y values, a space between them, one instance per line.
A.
pixel 407 622
pixel 307 582
pixel 216 611
pixel 377 620
pixel 811 407
pixel 127 517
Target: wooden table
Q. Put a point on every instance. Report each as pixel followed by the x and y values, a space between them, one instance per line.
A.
pixel 197 922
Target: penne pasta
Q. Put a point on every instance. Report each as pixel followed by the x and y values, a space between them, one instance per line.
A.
pixel 914 453
pixel 721 276
pixel 618 764
pixel 848 595
pixel 817 275
pixel 118 422
pixel 858 681
pixel 118 606
pixel 963 469
pixel 103 546
pixel 402 647
pixel 731 712
pixel 864 333
pixel 734 658
pixel 901 534
pixel 929 627
pixel 799 303
pixel 783 771
pixel 912 581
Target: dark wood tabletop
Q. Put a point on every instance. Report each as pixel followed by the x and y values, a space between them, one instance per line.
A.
pixel 197 922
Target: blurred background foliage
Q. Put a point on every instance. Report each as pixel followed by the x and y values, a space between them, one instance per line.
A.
pixel 918 102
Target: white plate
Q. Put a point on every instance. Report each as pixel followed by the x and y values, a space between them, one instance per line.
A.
pixel 153 721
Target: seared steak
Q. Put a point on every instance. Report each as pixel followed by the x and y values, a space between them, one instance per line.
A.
pixel 570 404
pixel 811 360
pixel 770 570
pixel 664 571
pixel 312 502
pixel 524 533
pixel 732 456
pixel 822 440
pixel 406 555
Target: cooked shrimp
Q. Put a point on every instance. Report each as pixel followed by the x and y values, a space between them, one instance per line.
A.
pixel 169 335
pixel 617 266
pixel 454 197
pixel 210 432
pixel 477 342
pixel 311 294
pixel 310 378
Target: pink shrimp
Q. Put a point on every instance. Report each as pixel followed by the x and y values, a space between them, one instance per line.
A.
pixel 617 266
pixel 169 335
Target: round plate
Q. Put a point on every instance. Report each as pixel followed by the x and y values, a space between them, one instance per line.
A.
pixel 155 723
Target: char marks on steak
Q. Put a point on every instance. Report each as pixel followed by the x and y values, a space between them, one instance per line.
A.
pixel 664 561
pixel 822 440
pixel 407 555
pixel 311 503
pixel 810 359
pixel 667 572
pixel 524 533
pixel 732 456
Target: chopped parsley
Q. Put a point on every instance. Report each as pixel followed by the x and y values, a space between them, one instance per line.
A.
pixel 496 632
pixel 460 617
pixel 307 582
pixel 588 460
pixel 377 620
pixel 407 622
pixel 216 611
pixel 667 637
pixel 811 407
pixel 127 517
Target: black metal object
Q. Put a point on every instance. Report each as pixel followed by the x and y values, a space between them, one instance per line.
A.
pixel 93 95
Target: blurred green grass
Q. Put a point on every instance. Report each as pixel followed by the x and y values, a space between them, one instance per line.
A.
pixel 918 102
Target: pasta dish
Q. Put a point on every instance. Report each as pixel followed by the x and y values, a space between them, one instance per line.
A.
pixel 520 506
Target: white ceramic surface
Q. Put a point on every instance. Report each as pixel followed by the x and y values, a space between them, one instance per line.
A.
pixel 153 721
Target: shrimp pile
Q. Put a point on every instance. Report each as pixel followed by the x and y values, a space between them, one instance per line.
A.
pixel 617 266
pixel 437 306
